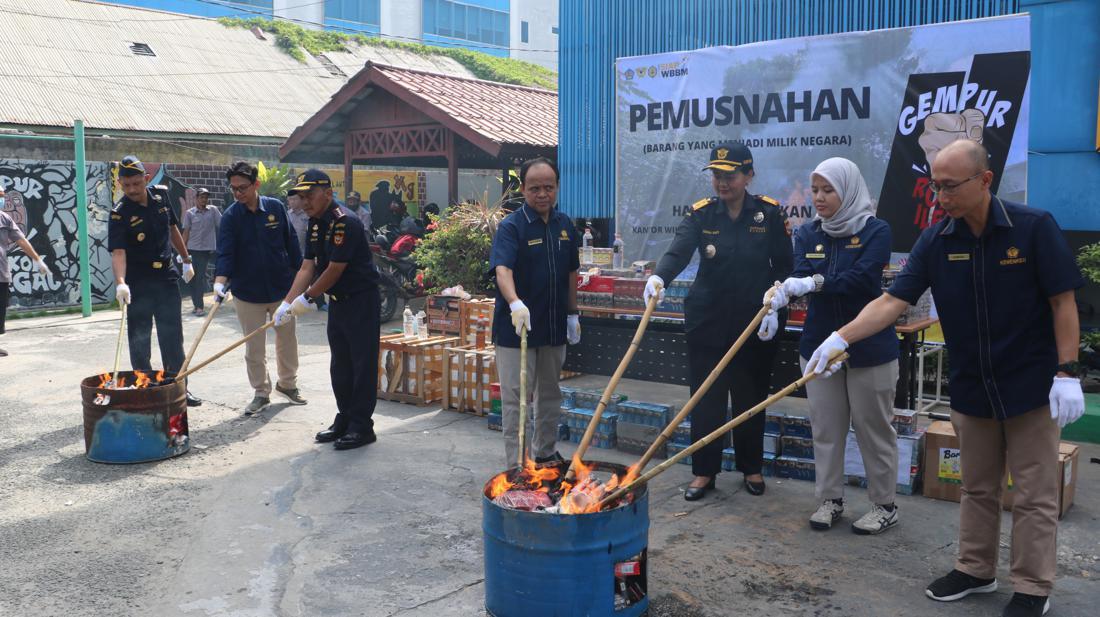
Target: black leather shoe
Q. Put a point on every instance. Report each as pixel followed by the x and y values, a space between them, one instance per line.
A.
pixel 355 439
pixel 331 433
pixel 550 461
pixel 755 488
pixel 695 493
pixel 192 400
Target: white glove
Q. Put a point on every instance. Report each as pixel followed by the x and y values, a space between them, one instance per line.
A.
pixel 188 273
pixel 795 287
pixel 779 297
pixel 301 306
pixel 573 329
pixel 122 293
pixel 282 314
pixel 819 361
pixel 42 268
pixel 521 317
pixel 655 286
pixel 1067 401
pixel 219 290
pixel 768 326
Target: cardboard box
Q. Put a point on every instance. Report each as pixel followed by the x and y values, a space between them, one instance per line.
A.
pixel 798 447
pixel 910 465
pixel 943 475
pixel 772 444
pixel 636 438
pixel 795 426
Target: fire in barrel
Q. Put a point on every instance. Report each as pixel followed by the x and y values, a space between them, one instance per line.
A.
pixel 551 549
pixel 141 418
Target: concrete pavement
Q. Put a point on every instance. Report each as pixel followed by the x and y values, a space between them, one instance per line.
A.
pixel 257 520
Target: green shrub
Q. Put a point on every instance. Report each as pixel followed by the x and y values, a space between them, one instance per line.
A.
pixel 457 252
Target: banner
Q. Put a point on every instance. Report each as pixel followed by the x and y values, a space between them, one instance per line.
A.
pixel 403 186
pixel 888 100
pixel 41 197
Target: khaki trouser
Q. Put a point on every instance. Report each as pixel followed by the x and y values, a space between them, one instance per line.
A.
pixel 864 399
pixel 252 316
pixel 543 372
pixel 1029 444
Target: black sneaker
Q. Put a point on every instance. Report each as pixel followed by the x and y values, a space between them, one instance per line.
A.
pixel 957 585
pixel 549 461
pixel 1023 605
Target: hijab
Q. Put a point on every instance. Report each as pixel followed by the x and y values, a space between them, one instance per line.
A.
pixel 855 200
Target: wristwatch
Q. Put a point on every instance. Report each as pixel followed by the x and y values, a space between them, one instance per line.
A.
pixel 1073 369
pixel 819 282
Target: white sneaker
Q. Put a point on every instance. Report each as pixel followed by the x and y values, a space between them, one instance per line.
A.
pixel 878 520
pixel 826 515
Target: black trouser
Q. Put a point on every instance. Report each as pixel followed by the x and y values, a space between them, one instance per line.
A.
pixel 200 260
pixel 353 343
pixel 157 300
pixel 743 384
pixel 5 297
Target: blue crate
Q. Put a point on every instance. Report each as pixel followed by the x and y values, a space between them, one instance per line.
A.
pixel 599 440
pixel 796 426
pixel 773 422
pixel 729 460
pixel 567 400
pixel 681 436
pixel 795 468
pixel 589 399
pixel 798 447
pixel 768 467
pixel 578 419
pixel 649 414
pixel 674 449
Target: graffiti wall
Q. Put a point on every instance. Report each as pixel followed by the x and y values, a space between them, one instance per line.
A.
pixel 41 197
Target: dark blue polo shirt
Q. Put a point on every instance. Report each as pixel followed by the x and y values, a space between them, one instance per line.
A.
pixel 258 251
pixel 541 256
pixel 852 267
pixel 338 236
pixel 992 294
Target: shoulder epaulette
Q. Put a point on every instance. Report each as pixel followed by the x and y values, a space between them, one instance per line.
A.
pixel 702 203
pixel 338 212
pixel 161 187
pixel 118 206
pixel 770 200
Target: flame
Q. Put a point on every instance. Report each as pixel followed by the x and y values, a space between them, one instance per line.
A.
pixel 104 379
pixel 499 485
pixel 142 380
pixel 159 376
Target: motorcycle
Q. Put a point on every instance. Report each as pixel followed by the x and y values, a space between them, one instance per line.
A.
pixel 399 277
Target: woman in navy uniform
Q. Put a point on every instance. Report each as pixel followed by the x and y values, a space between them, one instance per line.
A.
pixel 744 245
pixel 337 249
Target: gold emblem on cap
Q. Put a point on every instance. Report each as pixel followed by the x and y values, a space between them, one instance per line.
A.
pixel 1013 252
pixel 759 218
pixel 819 248
pixel 141 237
pixel 723 153
pixel 710 251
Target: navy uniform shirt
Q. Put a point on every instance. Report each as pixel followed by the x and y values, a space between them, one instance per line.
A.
pixel 258 251
pixel 992 294
pixel 338 236
pixel 852 268
pixel 541 256
pixel 144 232
pixel 738 261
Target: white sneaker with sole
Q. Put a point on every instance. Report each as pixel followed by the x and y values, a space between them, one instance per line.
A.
pixel 878 520
pixel 826 515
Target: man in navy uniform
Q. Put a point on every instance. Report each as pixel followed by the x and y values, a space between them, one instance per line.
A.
pixel 140 236
pixel 337 248
pixel 1003 277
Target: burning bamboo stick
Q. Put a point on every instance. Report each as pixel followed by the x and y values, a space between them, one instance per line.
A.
pixel 522 396
pixel 702 391
pixel 611 385
pixel 205 324
pixel 118 346
pixel 719 432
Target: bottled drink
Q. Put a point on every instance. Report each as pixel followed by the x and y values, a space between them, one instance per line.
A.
pixel 586 246
pixel 421 325
pixel 617 253
pixel 408 325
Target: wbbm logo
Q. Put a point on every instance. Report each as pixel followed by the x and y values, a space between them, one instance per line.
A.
pixel 673 69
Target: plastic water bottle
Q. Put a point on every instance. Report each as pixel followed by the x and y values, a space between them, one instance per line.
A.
pixel 421 325
pixel 408 323
pixel 586 246
pixel 617 253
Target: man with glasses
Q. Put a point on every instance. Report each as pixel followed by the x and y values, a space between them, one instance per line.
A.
pixel 337 250
pixel 257 255
pixel 1003 277
pixel 141 233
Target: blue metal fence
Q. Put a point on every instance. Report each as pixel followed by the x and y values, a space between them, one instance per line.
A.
pixel 596 32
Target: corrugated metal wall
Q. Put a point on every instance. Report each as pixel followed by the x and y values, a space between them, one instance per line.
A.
pixel 596 32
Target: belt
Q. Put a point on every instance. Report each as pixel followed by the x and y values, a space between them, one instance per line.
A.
pixel 157 265
pixel 346 296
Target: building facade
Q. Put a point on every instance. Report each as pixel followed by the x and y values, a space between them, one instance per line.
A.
pixel 519 29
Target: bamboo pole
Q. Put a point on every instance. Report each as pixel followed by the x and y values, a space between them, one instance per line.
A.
pixel 522 396
pixel 182 375
pixel 719 432
pixel 702 391
pixel 118 346
pixel 611 385
pixel 205 324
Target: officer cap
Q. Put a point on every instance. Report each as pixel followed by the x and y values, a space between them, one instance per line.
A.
pixel 202 192
pixel 355 194
pixel 309 179
pixel 730 156
pixel 131 166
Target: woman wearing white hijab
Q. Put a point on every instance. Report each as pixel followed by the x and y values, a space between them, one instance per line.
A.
pixel 839 257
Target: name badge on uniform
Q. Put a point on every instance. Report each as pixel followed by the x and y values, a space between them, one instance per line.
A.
pixel 534 242
pixel 958 257
pixel 711 232
pixel 815 255
pixel 757 230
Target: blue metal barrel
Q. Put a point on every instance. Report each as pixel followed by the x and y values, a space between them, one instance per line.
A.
pixel 134 426
pixel 557 565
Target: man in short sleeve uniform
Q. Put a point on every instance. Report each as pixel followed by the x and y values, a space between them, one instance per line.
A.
pixel 337 248
pixel 141 233
pixel 1003 278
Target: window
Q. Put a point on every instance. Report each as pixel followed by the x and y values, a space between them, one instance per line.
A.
pixel 468 22
pixel 523 32
pixel 367 12
pixel 263 4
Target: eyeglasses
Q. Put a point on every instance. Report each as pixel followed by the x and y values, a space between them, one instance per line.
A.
pixel 239 189
pixel 947 189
